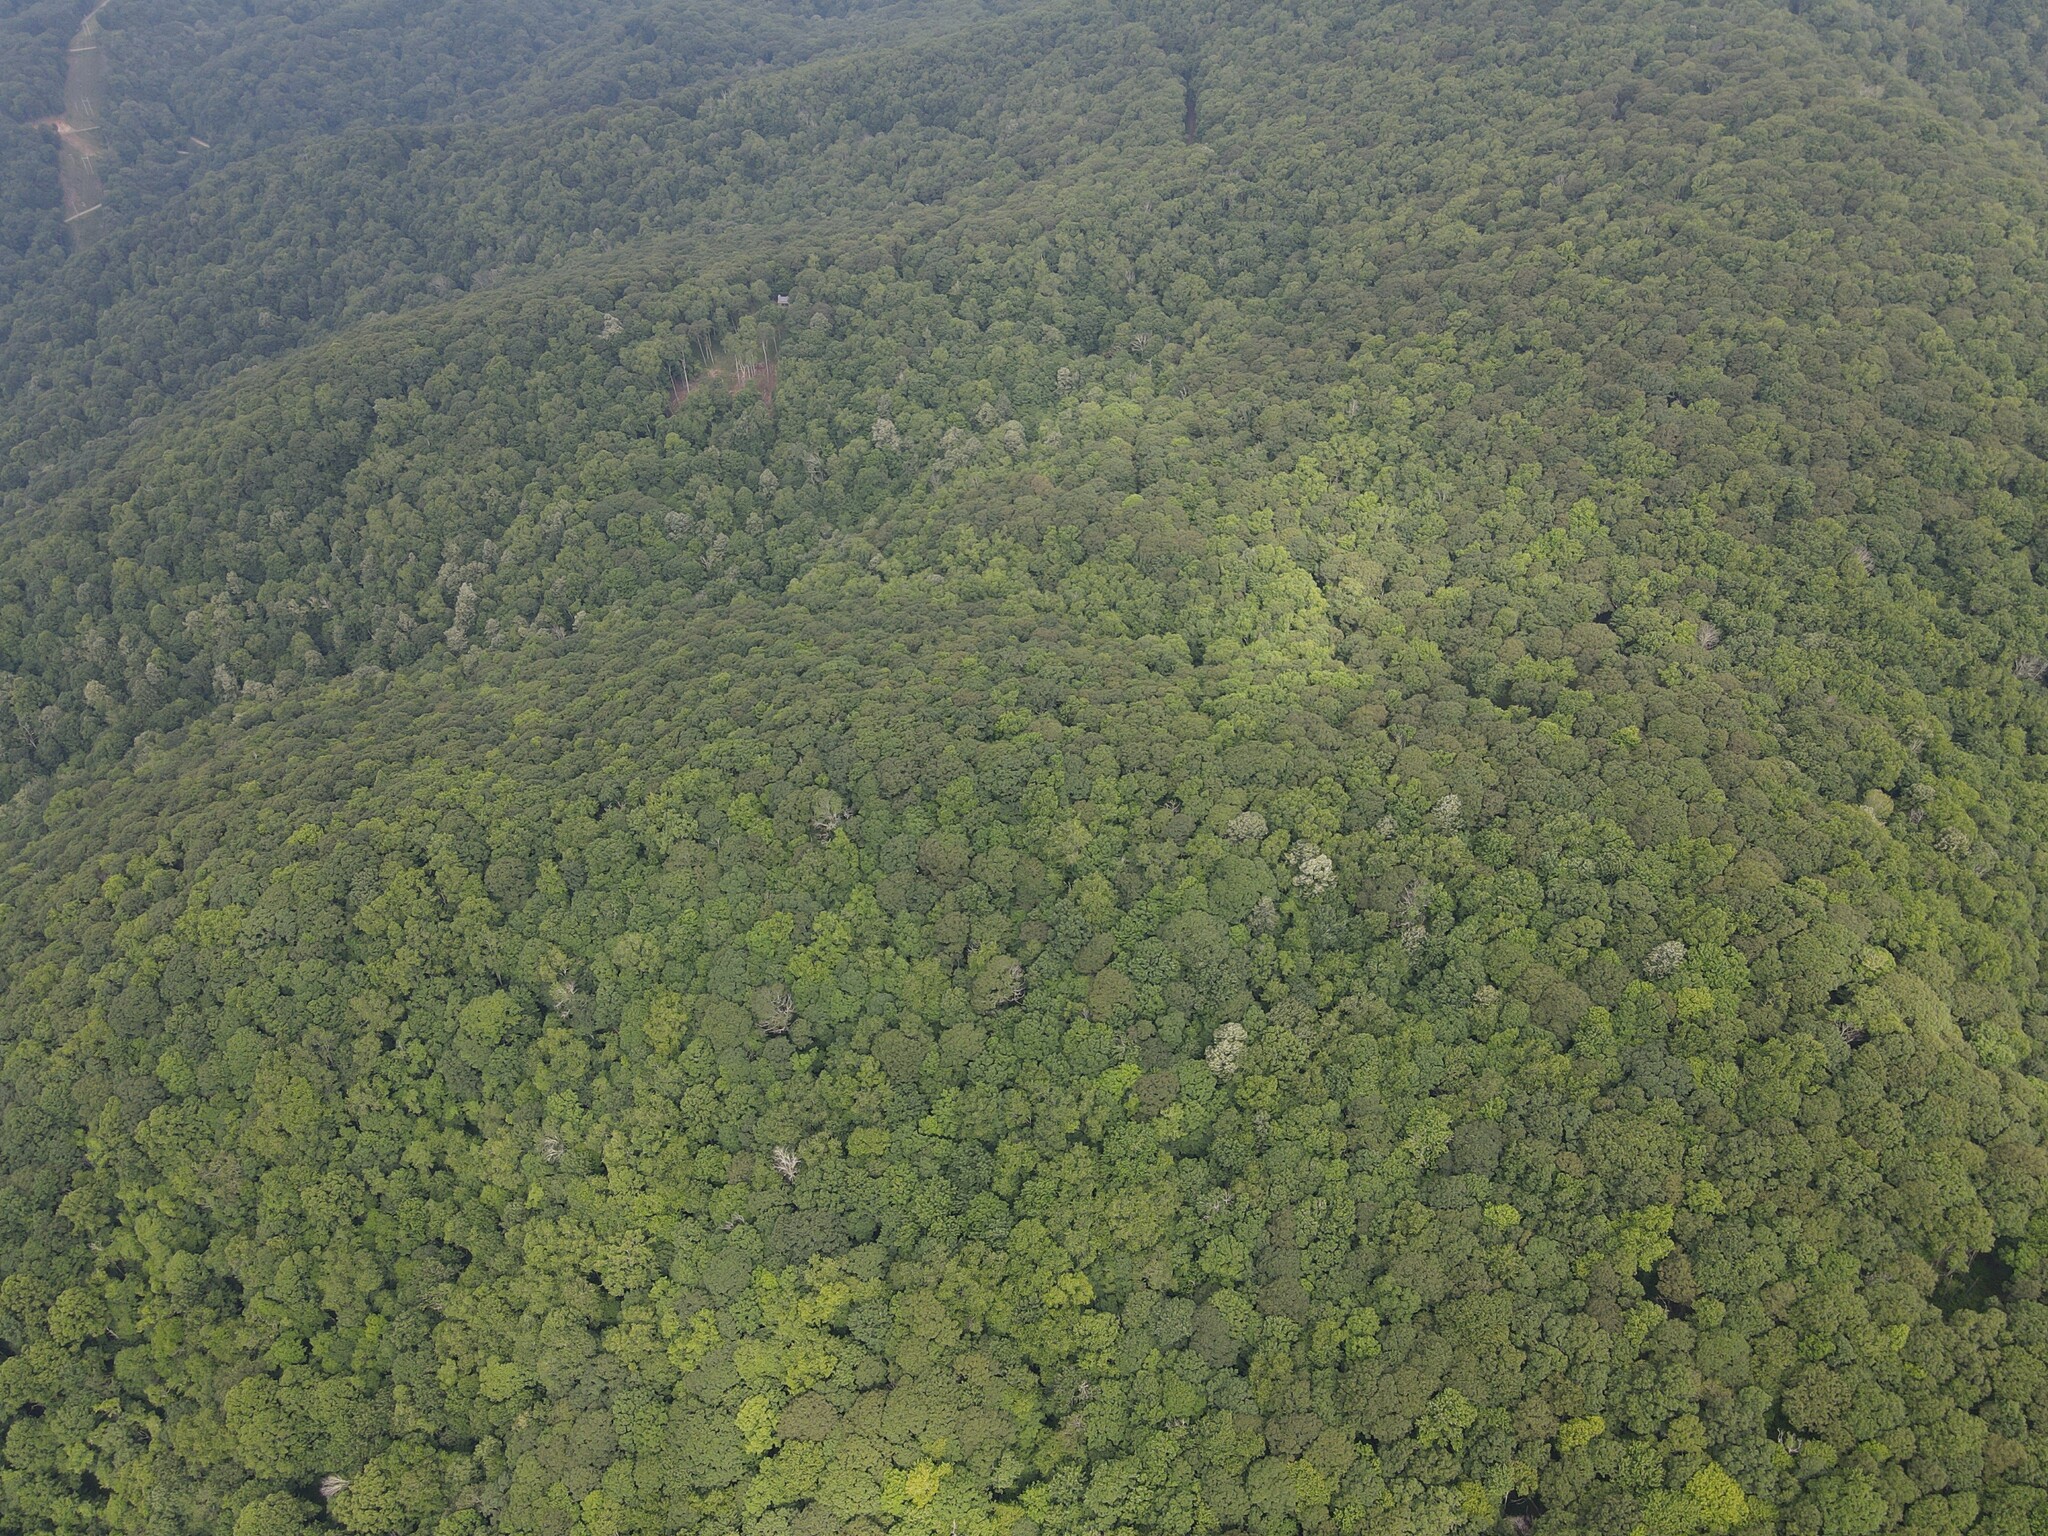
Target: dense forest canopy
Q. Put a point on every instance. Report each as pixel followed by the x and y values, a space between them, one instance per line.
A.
pixel 1003 769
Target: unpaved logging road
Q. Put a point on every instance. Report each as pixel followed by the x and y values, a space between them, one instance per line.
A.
pixel 79 141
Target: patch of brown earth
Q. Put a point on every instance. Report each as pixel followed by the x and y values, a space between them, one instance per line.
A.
pixel 756 376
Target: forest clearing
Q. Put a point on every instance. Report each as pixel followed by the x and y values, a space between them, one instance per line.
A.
pixel 78 127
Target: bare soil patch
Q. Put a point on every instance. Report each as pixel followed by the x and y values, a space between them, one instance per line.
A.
pixel 79 140
pixel 735 376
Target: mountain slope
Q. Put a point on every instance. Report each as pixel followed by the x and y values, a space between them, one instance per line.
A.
pixel 1326 818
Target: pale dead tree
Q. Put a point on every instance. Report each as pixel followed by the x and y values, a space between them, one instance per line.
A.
pixel 956 448
pixel 785 1164
pixel 774 1010
pixel 551 1148
pixel 828 814
pixel 1664 959
pixel 1314 872
pixel 333 1486
pixel 457 636
pixel 1226 1055
pixel 1005 981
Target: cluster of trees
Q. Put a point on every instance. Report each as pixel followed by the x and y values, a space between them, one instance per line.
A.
pixel 1335 826
pixel 32 72
pixel 285 95
pixel 33 35
pixel 247 76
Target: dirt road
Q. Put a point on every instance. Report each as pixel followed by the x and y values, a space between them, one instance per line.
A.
pixel 79 140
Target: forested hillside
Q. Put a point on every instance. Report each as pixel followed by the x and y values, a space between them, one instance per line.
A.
pixel 1313 804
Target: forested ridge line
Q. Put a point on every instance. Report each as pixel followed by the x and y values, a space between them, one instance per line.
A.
pixel 1336 828
pixel 203 86
pixel 1377 200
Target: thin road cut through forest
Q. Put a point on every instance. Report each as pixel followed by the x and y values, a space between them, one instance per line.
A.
pixel 78 127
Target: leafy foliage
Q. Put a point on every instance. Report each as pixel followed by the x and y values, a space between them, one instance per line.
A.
pixel 1319 810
